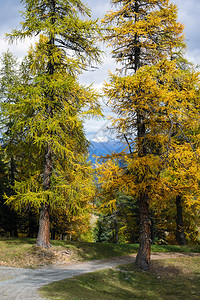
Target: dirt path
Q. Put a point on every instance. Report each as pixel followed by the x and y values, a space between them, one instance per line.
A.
pixel 22 284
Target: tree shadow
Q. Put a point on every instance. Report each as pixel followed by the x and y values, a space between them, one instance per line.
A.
pixel 16 241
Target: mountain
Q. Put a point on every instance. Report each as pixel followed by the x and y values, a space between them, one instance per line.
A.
pixel 102 147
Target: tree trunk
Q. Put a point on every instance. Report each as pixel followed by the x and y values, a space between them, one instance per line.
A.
pixel 180 233
pixel 53 234
pixel 32 223
pixel 143 256
pixel 43 238
pixel 12 172
pixel 116 230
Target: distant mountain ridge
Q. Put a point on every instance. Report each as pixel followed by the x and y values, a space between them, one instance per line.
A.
pixel 100 147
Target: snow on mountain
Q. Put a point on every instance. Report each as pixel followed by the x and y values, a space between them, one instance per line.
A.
pixel 102 146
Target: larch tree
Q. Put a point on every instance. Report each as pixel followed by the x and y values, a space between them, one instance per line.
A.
pixel 176 208
pixel 151 97
pixel 182 178
pixel 51 106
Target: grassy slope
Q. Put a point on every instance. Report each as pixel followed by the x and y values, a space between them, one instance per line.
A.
pixel 23 253
pixel 88 251
pixel 168 279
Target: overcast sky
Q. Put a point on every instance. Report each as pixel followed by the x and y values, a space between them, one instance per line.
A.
pixel 188 13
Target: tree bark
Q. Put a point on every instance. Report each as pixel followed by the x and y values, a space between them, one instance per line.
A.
pixel 43 238
pixel 53 234
pixel 180 232
pixel 143 256
pixel 12 172
pixel 13 214
pixel 116 236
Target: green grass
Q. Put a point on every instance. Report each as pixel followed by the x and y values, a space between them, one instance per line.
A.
pixel 13 250
pixel 23 253
pixel 176 248
pixel 90 251
pixel 168 279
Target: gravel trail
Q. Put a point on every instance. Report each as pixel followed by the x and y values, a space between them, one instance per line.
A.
pixel 22 284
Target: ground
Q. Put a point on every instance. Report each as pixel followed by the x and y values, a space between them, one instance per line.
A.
pixel 18 283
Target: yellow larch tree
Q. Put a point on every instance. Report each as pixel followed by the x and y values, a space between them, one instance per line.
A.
pixel 51 106
pixel 154 100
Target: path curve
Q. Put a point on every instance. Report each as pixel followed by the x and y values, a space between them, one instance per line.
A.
pixel 22 284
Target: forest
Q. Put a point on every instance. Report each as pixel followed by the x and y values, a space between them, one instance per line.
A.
pixel 148 193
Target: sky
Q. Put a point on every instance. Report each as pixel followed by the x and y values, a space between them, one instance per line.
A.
pixel 188 13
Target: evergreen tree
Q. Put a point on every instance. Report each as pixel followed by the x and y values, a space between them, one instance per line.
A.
pixel 51 106
pixel 8 79
pixel 152 98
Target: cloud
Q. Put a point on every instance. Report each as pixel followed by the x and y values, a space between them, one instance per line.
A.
pixel 96 128
pixel 19 49
pixel 99 75
pixel 188 12
pixel 100 139
pixel 98 7
pixel 9 16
